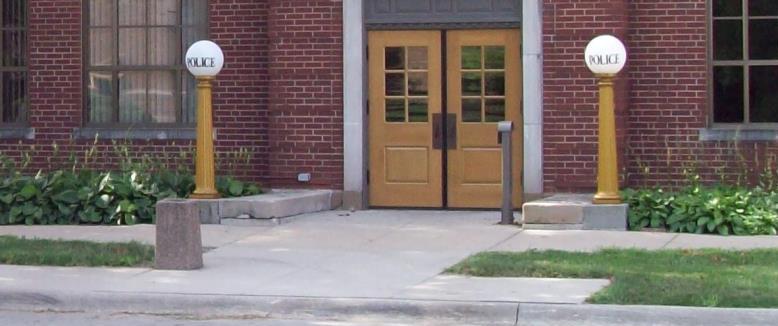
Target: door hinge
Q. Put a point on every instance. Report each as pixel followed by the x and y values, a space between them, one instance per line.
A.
pixel 367 107
pixel 368 176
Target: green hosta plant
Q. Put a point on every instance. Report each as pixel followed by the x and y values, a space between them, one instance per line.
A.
pixel 720 210
pixel 86 197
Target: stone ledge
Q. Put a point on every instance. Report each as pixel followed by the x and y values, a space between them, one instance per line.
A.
pixel 267 209
pixel 573 212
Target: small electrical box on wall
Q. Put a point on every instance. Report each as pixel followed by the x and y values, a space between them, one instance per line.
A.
pixel 304 177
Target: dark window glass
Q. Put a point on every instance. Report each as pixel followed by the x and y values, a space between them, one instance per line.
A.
pixel 395 84
pixel 728 94
pixel 471 57
pixel 764 94
pixel 728 40
pixel 728 8
pixel 395 58
pixel 417 110
pixel 471 110
pixel 13 61
pixel 395 110
pixel 135 68
pixel 495 110
pixel 763 40
pixel 758 8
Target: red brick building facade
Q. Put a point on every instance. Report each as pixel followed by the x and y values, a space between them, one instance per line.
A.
pixel 281 94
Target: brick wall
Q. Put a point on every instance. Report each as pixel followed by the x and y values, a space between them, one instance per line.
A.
pixel 669 101
pixel 570 90
pixel 661 97
pixel 306 86
pixel 263 55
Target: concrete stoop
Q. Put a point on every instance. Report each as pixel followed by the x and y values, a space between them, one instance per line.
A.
pixel 269 208
pixel 574 212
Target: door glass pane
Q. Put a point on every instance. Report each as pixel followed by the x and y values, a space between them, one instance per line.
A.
pixel 471 110
pixel 728 8
pixel 100 88
pixel 395 58
pixel 728 94
pixel 417 58
pixel 762 8
pixel 727 40
pixel 162 102
pixel 417 110
pixel 395 84
pixel 14 100
pixel 132 46
pixel 417 84
pixel 495 110
pixel 395 110
pixel 764 94
pixel 471 83
pixel 763 41
pixel 495 57
pixel 132 97
pixel 495 84
pixel 471 57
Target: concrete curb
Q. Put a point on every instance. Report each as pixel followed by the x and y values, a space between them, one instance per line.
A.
pixel 389 310
pixel 297 308
pixel 612 315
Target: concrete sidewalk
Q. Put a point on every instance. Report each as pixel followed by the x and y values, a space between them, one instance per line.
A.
pixel 332 263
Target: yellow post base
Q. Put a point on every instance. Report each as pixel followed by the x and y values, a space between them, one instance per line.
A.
pixel 205 176
pixel 607 199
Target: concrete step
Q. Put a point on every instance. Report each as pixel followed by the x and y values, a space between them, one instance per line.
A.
pixel 269 207
pixel 574 212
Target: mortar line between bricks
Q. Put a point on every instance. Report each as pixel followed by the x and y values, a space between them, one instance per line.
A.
pixel 670 241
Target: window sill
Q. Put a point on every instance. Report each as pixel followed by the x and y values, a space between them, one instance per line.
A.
pixel 717 134
pixel 136 134
pixel 17 133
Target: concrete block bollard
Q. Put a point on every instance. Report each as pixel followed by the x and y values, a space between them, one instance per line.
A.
pixel 179 242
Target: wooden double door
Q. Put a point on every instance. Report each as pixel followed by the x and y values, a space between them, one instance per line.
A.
pixel 435 100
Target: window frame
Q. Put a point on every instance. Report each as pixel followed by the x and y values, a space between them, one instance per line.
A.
pixel 745 63
pixel 23 119
pixel 115 69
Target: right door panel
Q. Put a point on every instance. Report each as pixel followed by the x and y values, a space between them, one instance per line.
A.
pixel 484 87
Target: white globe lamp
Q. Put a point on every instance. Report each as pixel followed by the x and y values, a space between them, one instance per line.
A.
pixel 606 55
pixel 204 59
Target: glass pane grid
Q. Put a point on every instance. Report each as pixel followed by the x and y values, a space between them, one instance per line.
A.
pixel 406 85
pixel 744 62
pixel 483 84
pixel 14 99
pixel 144 38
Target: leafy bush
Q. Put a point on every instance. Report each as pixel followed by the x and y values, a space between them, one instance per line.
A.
pixel 88 197
pixel 697 209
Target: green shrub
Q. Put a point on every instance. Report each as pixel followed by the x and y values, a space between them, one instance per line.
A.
pixel 697 209
pixel 88 197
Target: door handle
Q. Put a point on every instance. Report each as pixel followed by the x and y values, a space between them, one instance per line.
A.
pixel 451 131
pixel 437 131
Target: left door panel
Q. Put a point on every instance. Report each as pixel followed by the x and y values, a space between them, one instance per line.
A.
pixel 405 102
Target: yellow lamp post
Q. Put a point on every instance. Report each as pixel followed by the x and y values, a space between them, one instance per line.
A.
pixel 606 57
pixel 204 60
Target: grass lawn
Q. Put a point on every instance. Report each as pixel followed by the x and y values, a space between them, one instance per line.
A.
pixel 706 278
pixel 19 251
